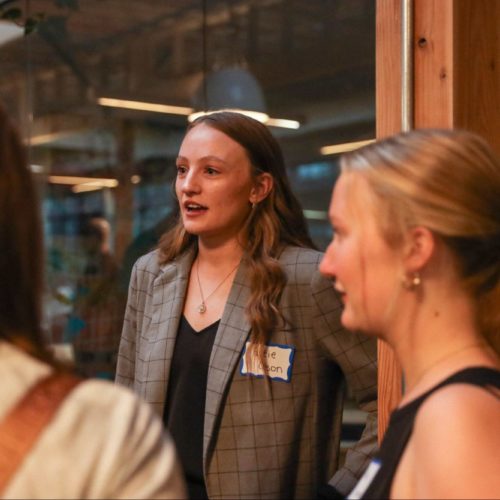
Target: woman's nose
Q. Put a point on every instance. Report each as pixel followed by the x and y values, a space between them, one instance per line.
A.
pixel 190 183
pixel 326 266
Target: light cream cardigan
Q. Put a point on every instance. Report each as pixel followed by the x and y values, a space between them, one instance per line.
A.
pixel 102 443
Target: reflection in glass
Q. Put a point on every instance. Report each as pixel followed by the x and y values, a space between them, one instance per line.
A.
pixel 313 60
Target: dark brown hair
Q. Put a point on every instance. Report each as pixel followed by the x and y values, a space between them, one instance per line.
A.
pixel 21 249
pixel 274 223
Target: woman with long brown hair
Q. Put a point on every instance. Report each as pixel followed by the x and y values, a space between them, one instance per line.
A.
pixel 232 334
pixel 100 441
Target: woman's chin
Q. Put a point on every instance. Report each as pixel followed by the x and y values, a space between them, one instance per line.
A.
pixel 348 321
pixel 191 228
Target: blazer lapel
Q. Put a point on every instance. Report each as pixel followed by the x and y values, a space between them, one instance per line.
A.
pixel 231 335
pixel 169 293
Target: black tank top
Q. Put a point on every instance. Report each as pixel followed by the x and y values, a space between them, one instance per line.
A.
pixel 184 412
pixel 377 480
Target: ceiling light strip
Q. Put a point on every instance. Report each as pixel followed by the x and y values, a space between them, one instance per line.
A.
pixel 144 106
pixel 73 180
pixel 190 112
pixel 343 148
pixel 283 123
pixel 83 188
pixel 256 115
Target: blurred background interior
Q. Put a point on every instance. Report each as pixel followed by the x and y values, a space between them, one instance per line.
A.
pixel 102 91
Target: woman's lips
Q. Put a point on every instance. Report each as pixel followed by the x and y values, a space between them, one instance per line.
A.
pixel 340 292
pixel 194 209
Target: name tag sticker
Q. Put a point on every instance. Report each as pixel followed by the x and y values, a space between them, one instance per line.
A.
pixel 278 362
pixel 366 480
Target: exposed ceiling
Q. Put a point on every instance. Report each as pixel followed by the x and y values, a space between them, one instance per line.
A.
pixel 314 59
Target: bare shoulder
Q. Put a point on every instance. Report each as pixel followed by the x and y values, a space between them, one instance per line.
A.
pixel 456 442
pixel 462 408
pixel 469 401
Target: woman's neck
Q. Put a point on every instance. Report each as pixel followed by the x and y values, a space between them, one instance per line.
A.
pixel 437 337
pixel 221 255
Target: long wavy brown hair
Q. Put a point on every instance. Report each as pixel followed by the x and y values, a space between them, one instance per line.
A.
pixel 274 223
pixel 21 249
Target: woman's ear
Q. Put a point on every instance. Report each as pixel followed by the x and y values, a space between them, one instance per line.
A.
pixel 419 248
pixel 263 184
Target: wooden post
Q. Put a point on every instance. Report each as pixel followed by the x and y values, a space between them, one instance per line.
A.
pixel 457 66
pixel 388 121
pixel 456 53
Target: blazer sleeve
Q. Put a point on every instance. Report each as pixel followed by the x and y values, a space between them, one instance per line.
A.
pixel 125 367
pixel 356 355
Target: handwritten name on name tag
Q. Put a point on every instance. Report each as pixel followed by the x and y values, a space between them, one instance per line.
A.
pixel 278 361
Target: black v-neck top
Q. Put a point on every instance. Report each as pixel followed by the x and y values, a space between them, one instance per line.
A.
pixel 377 481
pixel 184 412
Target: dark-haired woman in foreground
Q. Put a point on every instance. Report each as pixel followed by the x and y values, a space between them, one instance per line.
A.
pixel 101 442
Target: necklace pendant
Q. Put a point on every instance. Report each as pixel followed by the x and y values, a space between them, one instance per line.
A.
pixel 202 308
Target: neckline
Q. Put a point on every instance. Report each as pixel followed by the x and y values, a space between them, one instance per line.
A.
pixel 401 411
pixel 212 325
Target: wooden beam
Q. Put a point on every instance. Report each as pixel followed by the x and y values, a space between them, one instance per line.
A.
pixel 388 121
pixel 388 67
pixel 477 68
pixel 457 66
pixel 433 56
pixel 456 53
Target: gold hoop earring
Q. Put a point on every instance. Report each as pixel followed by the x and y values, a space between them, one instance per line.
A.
pixel 411 282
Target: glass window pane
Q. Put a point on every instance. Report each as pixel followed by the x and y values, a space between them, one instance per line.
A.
pixel 105 170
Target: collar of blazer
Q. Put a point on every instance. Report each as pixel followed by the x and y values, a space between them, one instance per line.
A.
pixel 169 293
pixel 232 334
pixel 177 269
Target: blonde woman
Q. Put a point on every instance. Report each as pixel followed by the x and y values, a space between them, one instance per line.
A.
pixel 415 258
pixel 232 334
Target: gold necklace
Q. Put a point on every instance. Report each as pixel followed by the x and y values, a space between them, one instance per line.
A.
pixel 444 358
pixel 203 306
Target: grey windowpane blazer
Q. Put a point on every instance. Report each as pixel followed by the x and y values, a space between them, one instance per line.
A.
pixel 262 439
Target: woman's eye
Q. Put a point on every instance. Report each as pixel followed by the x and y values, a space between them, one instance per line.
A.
pixel 211 171
pixel 181 169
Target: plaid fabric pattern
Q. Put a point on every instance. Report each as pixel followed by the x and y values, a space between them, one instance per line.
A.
pixel 262 438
